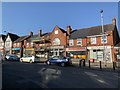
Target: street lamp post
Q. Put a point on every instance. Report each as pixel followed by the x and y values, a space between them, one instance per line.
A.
pixel 103 35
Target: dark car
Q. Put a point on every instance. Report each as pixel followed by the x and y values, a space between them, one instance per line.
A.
pixel 12 57
pixel 59 61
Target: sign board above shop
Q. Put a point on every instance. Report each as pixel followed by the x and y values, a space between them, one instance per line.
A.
pixel 57 47
pixel 76 49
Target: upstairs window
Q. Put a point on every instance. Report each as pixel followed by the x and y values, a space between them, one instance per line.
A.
pixel 56 41
pixel 93 40
pixel 0 44
pixel 104 39
pixel 71 42
pixel 18 44
pixel 32 44
pixel 7 44
pixel 79 41
pixel 27 44
pixel 14 44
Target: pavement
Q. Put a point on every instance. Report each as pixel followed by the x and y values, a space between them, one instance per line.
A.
pixel 96 65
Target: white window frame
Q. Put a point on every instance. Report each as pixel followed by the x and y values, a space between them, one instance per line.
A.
pixel 105 39
pixel 56 41
pixel 93 40
pixel 27 44
pixel 79 40
pixel 14 44
pixel 56 31
pixel 18 44
pixel 71 43
pixel 8 44
pixel 1 44
pixel 31 44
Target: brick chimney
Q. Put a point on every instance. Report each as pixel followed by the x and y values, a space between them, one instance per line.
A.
pixel 39 33
pixel 31 34
pixel 68 30
pixel 113 21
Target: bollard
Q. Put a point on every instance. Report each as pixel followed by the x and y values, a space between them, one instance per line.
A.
pixel 89 63
pixel 83 62
pixel 79 63
pixel 113 65
pixel 100 65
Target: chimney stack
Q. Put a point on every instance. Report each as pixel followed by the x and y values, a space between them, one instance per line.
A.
pixel 31 34
pixel 113 21
pixel 68 30
pixel 39 33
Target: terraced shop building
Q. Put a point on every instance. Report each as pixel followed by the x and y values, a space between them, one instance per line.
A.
pixel 91 44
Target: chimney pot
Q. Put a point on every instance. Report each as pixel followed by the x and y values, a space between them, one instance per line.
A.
pixel 69 29
pixel 113 21
pixel 39 33
pixel 31 34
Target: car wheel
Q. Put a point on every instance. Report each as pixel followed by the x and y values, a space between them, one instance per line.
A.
pixel 48 63
pixel 62 64
pixel 21 60
pixel 31 61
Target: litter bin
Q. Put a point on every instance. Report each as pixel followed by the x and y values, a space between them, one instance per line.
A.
pixel 91 60
pixel 81 62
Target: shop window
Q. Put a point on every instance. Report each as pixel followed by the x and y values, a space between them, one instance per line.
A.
pixel 79 41
pixel 104 39
pixel 71 42
pixel 56 41
pixel 93 40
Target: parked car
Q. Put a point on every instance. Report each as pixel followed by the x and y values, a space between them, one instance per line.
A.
pixel 12 57
pixel 30 59
pixel 59 61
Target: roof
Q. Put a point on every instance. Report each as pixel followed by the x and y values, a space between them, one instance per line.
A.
pixel 37 37
pixel 63 30
pixel 3 37
pixel 20 39
pixel 13 36
pixel 33 36
pixel 84 32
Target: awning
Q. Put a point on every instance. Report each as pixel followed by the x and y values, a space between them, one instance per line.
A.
pixel 15 48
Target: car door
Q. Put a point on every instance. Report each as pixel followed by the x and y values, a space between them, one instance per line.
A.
pixel 54 60
pixel 25 59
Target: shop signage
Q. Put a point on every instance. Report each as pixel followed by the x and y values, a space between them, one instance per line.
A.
pixel 30 49
pixel 76 49
pixel 57 47
pixel 15 48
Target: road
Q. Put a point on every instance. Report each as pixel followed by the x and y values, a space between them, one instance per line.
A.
pixel 39 75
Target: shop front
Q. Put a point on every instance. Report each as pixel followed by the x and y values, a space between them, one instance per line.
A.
pixel 16 51
pixel 29 51
pixel 76 52
pixel 41 52
pixel 100 53
pixel 57 51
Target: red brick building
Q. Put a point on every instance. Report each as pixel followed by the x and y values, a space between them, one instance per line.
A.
pixel 58 38
pixel 96 46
